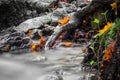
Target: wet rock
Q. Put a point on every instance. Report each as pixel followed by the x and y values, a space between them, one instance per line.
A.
pixel 13 12
pixel 61 72
pixel 93 77
pixel 53 17
pixel 69 7
pixel 40 58
pixel 58 14
pixel 82 5
pixel 4 48
pixel 46 31
pixel 70 59
pixel 88 76
pixel 19 43
pixel 64 4
pixel 39 22
pixel 14 41
pixel 33 23
pixel 35 34
pixel 76 69
pixel 54 77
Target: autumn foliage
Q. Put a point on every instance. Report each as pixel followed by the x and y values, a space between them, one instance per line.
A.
pixel 40 45
pixel 64 20
pixel 108 53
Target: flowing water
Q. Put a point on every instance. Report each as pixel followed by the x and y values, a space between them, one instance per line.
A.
pixel 57 64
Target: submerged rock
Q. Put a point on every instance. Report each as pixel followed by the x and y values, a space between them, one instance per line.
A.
pixel 39 58
pixel 4 48
pixel 54 77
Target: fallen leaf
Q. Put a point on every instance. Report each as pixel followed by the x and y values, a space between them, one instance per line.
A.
pixel 107 56
pixel 113 5
pixel 84 21
pixel 42 42
pixel 61 36
pixel 106 27
pixel 67 44
pixel 29 32
pixel 84 50
pixel 34 47
pixel 109 51
pixel 64 20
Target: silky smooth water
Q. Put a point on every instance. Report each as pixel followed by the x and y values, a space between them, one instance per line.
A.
pixel 56 64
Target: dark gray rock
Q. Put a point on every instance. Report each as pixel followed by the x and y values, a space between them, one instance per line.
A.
pixel 35 34
pixel 13 12
pixel 54 77
pixel 4 48
pixel 10 40
pixel 38 22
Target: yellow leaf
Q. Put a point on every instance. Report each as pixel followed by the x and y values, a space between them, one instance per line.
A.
pixel 113 5
pixel 106 27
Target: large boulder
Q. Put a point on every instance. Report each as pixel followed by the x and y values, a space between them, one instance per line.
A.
pixel 13 12
pixel 51 17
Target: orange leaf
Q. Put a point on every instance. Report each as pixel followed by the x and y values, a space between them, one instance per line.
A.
pixel 29 32
pixel 64 20
pixel 111 46
pixel 84 50
pixel 61 36
pixel 109 51
pixel 67 44
pixel 42 42
pixel 34 47
pixel 105 63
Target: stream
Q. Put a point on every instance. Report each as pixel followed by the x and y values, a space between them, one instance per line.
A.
pixel 57 64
